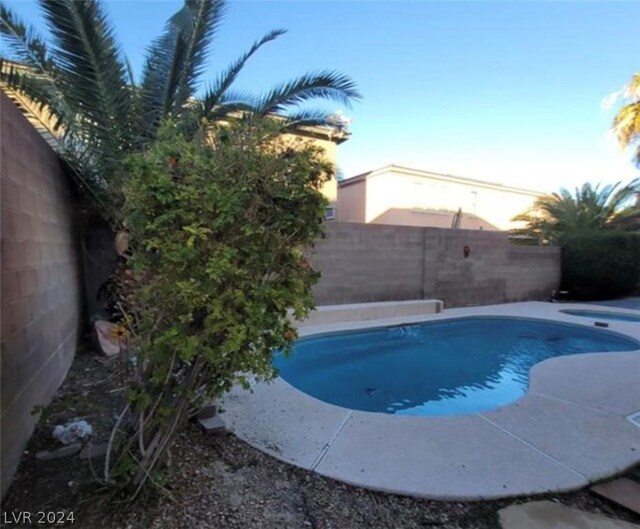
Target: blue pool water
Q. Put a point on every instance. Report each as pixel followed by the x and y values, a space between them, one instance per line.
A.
pixel 453 367
pixel 601 315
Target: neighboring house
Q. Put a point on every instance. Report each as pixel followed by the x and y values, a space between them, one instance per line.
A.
pixel 410 197
pixel 328 139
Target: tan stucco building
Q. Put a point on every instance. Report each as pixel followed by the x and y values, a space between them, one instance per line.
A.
pixel 410 197
pixel 328 140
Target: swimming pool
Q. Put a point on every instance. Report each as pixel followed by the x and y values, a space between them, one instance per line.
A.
pixel 602 315
pixel 451 367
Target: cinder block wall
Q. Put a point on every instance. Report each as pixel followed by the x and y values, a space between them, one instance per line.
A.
pixel 40 280
pixel 370 262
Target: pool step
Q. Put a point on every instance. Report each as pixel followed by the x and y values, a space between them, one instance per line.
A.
pixel 327 314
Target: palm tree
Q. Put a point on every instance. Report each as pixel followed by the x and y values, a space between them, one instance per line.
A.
pixel 101 114
pixel 626 124
pixel 589 209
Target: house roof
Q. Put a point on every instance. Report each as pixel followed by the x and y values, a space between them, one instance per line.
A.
pixel 324 133
pixel 435 219
pixel 392 168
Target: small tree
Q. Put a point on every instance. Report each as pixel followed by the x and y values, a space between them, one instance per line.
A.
pixel 218 229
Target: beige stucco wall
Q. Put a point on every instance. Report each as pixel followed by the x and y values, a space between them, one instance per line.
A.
pixel 330 188
pixel 40 279
pixel 400 189
pixel 352 202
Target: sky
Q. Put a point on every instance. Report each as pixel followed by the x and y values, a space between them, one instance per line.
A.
pixel 509 92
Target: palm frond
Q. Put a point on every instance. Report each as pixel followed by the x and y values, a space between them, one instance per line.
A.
pixel 222 84
pixel 24 42
pixel 626 124
pixel 35 73
pixel 632 90
pixel 131 79
pixel 329 85
pixel 36 80
pixel 47 111
pixel 230 104
pixel 198 30
pixel 305 118
pixel 174 63
pixel 94 74
pixel 160 78
pixel 43 100
pixel 625 194
pixel 627 219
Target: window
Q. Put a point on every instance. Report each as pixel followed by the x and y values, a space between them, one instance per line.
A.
pixel 330 213
pixel 418 195
pixel 474 202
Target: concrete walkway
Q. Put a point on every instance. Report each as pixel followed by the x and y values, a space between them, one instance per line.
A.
pixel 571 428
pixel 623 303
pixel 550 515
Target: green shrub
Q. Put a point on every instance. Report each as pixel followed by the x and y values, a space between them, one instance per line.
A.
pixel 600 265
pixel 217 231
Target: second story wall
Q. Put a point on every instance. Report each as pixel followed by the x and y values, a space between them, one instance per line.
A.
pixel 352 202
pixel 395 194
pixel 330 148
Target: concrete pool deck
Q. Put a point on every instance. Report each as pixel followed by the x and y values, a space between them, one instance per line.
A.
pixel 574 426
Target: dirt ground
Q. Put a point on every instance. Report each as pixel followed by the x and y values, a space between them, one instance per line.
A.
pixel 221 482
